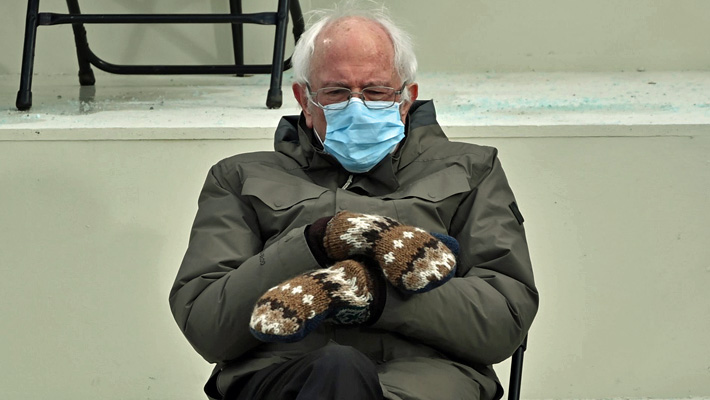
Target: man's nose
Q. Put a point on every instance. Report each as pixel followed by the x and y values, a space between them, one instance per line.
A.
pixel 360 95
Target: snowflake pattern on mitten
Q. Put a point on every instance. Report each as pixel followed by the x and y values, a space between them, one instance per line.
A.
pixel 412 260
pixel 342 293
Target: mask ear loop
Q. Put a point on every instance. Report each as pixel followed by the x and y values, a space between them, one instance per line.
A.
pixel 315 132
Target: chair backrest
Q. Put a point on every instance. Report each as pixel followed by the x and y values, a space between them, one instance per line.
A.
pixel 516 371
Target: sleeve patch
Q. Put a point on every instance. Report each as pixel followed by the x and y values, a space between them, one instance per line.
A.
pixel 516 212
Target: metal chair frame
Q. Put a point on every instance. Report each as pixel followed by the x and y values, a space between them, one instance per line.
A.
pixel 516 371
pixel 236 18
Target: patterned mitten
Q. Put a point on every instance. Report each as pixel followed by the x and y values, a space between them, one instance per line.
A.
pixel 346 293
pixel 412 260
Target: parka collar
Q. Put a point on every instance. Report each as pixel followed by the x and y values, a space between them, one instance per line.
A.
pixel 295 140
pixel 423 130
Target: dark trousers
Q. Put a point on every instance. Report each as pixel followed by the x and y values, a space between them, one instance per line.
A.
pixel 333 372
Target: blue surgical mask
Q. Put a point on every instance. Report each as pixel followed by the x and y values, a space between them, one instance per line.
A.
pixel 360 137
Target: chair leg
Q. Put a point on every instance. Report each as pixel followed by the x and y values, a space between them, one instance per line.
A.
pixel 86 74
pixel 297 19
pixel 274 97
pixel 516 371
pixel 24 95
pixel 237 34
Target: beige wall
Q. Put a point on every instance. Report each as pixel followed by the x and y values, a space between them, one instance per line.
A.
pixel 468 36
pixel 93 231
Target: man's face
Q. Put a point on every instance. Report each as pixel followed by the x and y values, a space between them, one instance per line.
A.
pixel 352 53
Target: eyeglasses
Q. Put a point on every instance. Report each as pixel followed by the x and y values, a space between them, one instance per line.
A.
pixel 337 98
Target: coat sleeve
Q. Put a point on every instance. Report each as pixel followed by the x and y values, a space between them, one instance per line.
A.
pixel 226 269
pixel 483 314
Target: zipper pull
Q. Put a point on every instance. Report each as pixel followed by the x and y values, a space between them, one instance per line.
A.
pixel 348 182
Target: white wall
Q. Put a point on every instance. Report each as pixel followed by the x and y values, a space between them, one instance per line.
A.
pixel 456 36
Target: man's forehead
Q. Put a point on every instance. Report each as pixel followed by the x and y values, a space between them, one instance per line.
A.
pixel 353 34
pixel 354 23
pixel 353 52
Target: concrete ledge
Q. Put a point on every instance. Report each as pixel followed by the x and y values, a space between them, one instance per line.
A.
pixel 453 132
pixel 468 105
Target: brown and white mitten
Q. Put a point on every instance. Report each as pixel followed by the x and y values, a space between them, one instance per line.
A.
pixel 346 293
pixel 413 260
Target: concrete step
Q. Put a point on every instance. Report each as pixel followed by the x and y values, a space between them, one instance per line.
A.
pixel 635 103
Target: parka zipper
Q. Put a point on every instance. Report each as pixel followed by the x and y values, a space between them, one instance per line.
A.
pixel 348 182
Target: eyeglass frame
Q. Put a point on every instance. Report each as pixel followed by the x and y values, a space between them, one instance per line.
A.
pixel 311 95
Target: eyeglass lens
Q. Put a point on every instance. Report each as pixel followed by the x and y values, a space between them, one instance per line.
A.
pixel 327 96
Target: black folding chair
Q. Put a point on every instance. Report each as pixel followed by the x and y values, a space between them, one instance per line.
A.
pixel 236 18
pixel 516 371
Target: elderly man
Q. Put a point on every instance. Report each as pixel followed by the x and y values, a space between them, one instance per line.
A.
pixel 367 257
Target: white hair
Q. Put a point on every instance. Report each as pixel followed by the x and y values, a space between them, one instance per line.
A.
pixel 405 62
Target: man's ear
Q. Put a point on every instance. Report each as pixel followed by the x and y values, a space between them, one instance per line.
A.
pixel 299 92
pixel 413 94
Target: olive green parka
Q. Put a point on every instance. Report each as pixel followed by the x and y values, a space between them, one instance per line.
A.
pixel 248 236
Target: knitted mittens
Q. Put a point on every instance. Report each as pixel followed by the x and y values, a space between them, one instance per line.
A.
pixel 344 292
pixel 412 260
pixel 350 292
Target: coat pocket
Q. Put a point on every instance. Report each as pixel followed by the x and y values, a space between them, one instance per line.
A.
pixel 431 202
pixel 281 195
pixel 282 205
